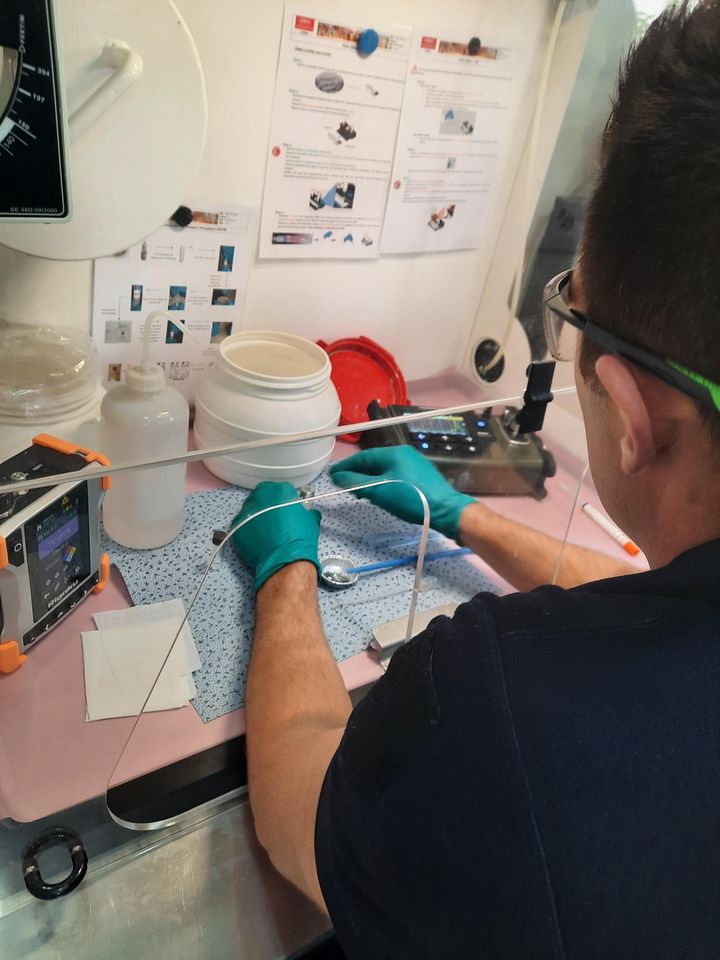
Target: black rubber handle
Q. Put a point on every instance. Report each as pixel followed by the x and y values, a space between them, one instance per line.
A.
pixel 56 837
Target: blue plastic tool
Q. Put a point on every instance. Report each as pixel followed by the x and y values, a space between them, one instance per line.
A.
pixel 404 561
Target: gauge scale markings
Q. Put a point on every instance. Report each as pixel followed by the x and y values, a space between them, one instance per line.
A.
pixel 33 166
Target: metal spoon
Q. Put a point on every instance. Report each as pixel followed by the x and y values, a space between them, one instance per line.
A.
pixel 338 572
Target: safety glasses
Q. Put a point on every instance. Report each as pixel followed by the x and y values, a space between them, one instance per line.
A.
pixel 563 321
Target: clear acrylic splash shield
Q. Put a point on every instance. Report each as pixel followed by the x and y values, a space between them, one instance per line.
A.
pixel 55 766
pixel 229 668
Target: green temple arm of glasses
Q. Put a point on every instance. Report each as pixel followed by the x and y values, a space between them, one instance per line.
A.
pixel 712 388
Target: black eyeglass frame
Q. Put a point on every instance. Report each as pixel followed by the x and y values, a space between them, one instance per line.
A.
pixel 555 302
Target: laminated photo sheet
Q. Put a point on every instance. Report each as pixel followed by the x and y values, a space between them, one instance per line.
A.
pixel 223 616
pixel 197 274
pixel 334 126
pixel 460 102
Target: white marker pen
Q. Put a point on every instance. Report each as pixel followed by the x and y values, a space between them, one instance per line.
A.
pixel 609 527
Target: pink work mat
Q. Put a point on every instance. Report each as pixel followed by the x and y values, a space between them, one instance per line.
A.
pixel 51 758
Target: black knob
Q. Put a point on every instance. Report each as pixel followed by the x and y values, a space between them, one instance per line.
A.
pixel 183 216
pixel 485 353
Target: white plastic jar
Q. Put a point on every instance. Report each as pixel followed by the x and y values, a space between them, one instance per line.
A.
pixel 266 384
pixel 49 383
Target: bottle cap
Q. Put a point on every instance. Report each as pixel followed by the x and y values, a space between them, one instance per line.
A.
pixel 145 378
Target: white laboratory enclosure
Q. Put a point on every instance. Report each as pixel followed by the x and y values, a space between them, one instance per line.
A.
pixel 239 241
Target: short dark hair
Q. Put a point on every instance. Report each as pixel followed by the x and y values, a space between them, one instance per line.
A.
pixel 650 252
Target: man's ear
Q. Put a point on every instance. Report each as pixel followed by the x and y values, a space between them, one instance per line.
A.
pixel 622 384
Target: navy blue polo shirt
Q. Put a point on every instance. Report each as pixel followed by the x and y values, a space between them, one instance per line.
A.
pixel 538 777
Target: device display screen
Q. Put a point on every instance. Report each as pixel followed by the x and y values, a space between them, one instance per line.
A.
pixel 446 426
pixel 58 550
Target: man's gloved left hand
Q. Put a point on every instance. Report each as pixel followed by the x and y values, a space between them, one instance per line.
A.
pixel 409 466
pixel 271 541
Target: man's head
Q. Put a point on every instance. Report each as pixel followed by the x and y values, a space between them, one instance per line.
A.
pixel 649 269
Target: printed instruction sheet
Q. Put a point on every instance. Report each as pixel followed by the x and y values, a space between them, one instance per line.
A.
pixel 460 95
pixel 332 140
pixel 197 275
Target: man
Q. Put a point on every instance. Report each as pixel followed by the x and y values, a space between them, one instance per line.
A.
pixel 538 777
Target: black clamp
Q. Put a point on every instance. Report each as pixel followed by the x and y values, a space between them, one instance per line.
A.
pixel 57 836
pixel 537 396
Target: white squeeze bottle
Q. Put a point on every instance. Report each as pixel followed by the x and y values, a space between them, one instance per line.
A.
pixel 144 419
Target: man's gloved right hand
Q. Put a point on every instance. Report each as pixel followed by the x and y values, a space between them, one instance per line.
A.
pixel 404 463
pixel 269 541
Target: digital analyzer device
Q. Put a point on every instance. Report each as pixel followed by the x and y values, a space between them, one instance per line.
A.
pixel 50 556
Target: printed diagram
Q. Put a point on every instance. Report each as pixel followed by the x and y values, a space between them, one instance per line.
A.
pixel 343 133
pixel 219 330
pixel 179 370
pixel 332 139
pixel 474 48
pixel 176 369
pixel 328 236
pixel 223 298
pixel 136 297
pixel 118 331
pixel 197 275
pixel 329 82
pixel 340 196
pixel 461 95
pixel 225 259
pixel 176 298
pixel 439 217
pixel 458 121
pixel 291 239
pixel 173 333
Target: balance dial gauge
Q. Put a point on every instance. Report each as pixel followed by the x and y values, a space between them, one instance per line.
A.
pixel 33 128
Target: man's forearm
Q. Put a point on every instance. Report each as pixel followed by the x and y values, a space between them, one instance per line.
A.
pixel 527 558
pixel 296 712
pixel 290 654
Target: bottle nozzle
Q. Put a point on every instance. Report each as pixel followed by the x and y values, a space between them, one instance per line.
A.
pixel 145 362
pixel 146 375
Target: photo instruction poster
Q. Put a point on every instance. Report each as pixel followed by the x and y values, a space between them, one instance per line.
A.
pixel 197 275
pixel 332 142
pixel 461 92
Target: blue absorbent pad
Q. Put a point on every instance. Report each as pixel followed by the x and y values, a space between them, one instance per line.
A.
pixel 223 615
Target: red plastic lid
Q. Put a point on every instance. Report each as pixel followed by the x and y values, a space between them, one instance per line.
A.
pixel 362 371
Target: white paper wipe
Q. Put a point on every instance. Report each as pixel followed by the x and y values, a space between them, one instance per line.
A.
pixel 122 662
pixel 166 610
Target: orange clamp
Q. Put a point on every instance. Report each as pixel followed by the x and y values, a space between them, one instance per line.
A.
pixel 104 574
pixel 10 656
pixel 3 554
pixel 64 446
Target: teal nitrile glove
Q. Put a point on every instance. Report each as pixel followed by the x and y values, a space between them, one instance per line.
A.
pixel 278 537
pixel 404 463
